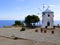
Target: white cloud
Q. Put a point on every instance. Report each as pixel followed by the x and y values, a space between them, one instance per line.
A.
pixel 12 18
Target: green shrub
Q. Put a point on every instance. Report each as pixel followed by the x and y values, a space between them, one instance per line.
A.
pixel 17 22
pixel 22 29
pixel 16 38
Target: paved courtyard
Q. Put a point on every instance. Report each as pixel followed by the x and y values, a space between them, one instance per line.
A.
pixel 32 35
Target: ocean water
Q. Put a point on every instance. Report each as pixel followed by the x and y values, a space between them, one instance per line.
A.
pixel 6 23
pixel 11 22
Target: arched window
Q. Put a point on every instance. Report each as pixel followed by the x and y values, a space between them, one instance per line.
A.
pixel 48 23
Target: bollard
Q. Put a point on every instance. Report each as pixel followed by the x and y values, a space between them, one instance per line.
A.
pixel 52 32
pixel 44 31
pixel 41 30
pixel 36 30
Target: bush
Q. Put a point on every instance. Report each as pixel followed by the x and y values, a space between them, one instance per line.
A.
pixel 23 29
pixel 16 38
pixel 19 23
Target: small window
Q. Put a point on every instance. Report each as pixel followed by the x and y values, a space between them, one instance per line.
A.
pixel 48 15
pixel 43 13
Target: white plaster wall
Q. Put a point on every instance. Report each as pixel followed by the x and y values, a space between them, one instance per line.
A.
pixel 45 19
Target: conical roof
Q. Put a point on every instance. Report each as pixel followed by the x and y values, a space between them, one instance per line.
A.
pixel 47 10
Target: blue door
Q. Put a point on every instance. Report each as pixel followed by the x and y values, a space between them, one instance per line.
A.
pixel 48 23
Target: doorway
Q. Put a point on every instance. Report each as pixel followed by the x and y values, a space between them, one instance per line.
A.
pixel 48 23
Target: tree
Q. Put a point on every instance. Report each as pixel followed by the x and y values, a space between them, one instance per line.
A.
pixel 19 23
pixel 35 19
pixel 31 19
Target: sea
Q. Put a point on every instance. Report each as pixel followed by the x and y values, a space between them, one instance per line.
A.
pixel 11 22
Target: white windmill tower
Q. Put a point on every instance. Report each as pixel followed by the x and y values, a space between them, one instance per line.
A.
pixel 47 18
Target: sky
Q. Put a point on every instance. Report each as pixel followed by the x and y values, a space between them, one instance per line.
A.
pixel 19 9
